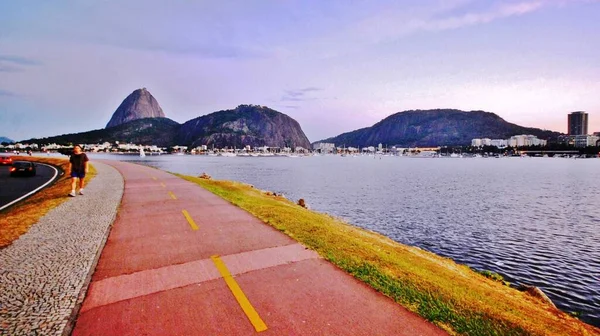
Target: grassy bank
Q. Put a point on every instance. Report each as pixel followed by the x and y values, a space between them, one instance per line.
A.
pixel 17 220
pixel 450 295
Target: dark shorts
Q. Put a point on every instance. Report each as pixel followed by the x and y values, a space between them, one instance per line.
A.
pixel 77 174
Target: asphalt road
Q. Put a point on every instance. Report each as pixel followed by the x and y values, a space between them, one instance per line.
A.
pixel 11 188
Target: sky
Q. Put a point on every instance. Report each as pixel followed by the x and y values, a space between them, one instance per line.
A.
pixel 334 66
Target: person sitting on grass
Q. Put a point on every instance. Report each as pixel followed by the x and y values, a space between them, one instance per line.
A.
pixel 78 167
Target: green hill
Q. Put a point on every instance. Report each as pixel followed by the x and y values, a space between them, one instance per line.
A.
pixel 155 131
pixel 441 127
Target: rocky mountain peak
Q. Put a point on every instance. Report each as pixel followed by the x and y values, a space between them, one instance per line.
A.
pixel 139 104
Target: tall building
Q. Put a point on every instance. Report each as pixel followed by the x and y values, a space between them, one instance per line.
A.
pixel 578 123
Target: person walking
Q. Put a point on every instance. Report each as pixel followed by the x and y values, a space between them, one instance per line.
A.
pixel 79 167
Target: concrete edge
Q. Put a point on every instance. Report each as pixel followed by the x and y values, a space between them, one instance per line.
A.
pixel 70 325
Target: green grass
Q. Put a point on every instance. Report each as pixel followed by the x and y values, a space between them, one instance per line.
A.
pixel 451 295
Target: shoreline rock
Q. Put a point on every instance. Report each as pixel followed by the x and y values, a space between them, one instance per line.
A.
pixel 537 293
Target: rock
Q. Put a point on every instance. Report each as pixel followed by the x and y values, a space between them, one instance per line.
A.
pixel 538 293
pixel 139 104
pixel 204 176
pixel 302 203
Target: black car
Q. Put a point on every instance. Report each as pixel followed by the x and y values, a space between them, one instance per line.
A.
pixel 22 168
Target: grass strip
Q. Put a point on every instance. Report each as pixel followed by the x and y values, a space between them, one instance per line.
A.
pixel 17 219
pixel 451 295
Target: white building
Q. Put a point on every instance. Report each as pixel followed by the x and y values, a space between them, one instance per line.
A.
pixel 500 143
pixel 52 146
pixel 526 140
pixel 180 148
pixel 514 141
pixel 324 147
pixel 25 146
pixel 585 140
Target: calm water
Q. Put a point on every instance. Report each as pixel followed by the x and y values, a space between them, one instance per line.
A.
pixel 533 220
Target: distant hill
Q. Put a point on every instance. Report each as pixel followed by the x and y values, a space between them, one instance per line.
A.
pixel 5 139
pixel 139 104
pixel 443 127
pixel 140 119
pixel 155 131
pixel 245 125
pixel 251 125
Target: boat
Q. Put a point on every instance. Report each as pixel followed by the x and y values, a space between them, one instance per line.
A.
pixel 142 154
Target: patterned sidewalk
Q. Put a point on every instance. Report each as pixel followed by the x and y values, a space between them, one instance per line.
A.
pixel 44 274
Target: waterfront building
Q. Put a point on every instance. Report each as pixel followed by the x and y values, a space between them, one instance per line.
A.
pixel 524 140
pixel 515 141
pixel 584 140
pixel 25 146
pixel 324 147
pixel 577 123
pixel 179 148
pixel 500 143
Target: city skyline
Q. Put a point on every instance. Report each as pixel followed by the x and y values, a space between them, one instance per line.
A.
pixel 334 67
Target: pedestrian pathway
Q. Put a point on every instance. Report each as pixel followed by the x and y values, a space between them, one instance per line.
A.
pixel 44 273
pixel 182 261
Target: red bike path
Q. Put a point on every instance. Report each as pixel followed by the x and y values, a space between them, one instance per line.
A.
pixel 181 261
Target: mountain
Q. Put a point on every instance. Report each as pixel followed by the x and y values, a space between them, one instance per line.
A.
pixel 155 131
pixel 440 127
pixel 5 139
pixel 251 125
pixel 245 125
pixel 139 104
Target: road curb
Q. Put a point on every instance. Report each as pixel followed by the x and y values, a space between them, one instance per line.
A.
pixel 88 279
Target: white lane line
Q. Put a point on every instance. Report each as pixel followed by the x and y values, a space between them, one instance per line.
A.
pixel 125 287
pixel 34 191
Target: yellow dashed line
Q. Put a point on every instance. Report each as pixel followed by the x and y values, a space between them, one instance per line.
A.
pixel 163 184
pixel 257 322
pixel 190 220
pixel 154 178
pixel 172 195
